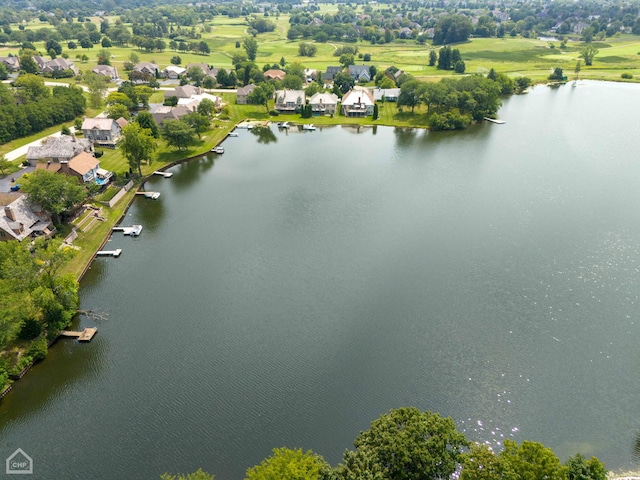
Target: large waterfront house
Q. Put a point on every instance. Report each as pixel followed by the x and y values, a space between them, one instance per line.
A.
pixel 57 149
pixel 358 102
pixel 323 103
pixel 162 112
pixel 104 132
pixel 289 101
pixel 84 166
pixel 19 220
pixel 242 95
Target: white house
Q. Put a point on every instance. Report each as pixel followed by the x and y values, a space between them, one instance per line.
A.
pixel 358 102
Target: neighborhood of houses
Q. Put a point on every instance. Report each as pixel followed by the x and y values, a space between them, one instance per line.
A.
pixel 75 156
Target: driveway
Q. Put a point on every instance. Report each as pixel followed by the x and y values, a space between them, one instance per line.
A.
pixel 5 182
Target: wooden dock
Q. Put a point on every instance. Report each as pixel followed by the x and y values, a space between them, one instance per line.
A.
pixel 85 335
pixel 495 120
pixel 109 253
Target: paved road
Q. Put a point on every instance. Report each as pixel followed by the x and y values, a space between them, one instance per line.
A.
pixel 5 183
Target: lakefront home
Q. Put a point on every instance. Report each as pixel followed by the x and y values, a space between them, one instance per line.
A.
pixel 84 166
pixel 358 102
pixel 324 103
pixel 289 101
pixel 242 95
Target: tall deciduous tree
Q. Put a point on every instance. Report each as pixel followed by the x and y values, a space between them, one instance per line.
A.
pixel 411 94
pixel 588 53
pixel 532 460
pixel 137 146
pixel 146 120
pixel 54 192
pixel 287 464
pixel 413 445
pixel 197 121
pixel 97 85
pixel 250 45
pixel 177 133
pixel 261 95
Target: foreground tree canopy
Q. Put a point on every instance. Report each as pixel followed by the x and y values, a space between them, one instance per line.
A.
pixel 409 444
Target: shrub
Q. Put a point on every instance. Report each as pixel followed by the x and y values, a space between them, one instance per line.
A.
pixel 38 349
pixel 627 76
pixel 274 113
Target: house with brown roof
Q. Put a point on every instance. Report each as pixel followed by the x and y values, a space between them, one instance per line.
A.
pixel 104 132
pixel 84 166
pixel 163 112
pixel 274 74
pixel 57 149
pixel 56 65
pixel 20 219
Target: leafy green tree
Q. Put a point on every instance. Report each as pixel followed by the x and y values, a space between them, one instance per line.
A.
pixel 411 94
pixel 481 463
pixel 577 69
pixel 532 460
pixel 53 45
pixel 142 94
pixel 116 111
pixel 251 47
pixel 347 59
pixel 177 133
pixel 206 107
pixel 444 58
pixel 176 60
pixel 459 66
pixel 342 83
pixel 452 29
pixel 412 445
pixel 31 88
pixel 28 64
pixel 196 75
pixel 146 120
pixel 359 465
pixel 588 53
pixel 375 111
pixel 287 464
pixel 137 145
pixel 55 193
pixel 199 475
pixel 120 98
pixel 557 74
pixel 261 95
pixel 97 85
pixel 433 58
pixel 4 165
pixel 522 83
pixel 579 468
pixel 197 121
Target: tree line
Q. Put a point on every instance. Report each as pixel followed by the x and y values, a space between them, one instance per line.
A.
pixel 31 107
pixel 409 444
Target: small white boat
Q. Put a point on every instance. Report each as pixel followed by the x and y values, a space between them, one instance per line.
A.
pixel 283 125
pixel 309 126
pixel 233 134
pixel 219 149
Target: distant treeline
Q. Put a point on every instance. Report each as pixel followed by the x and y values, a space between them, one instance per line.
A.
pixel 24 112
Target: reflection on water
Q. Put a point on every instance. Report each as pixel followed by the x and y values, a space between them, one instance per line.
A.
pixel 264 135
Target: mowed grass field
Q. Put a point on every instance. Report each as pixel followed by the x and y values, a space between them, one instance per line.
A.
pixel 511 55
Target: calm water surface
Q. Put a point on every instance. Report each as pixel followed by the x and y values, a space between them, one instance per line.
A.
pixel 292 290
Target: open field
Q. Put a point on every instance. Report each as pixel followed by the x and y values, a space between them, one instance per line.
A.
pixel 511 55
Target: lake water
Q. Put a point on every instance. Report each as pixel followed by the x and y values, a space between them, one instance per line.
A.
pixel 293 289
